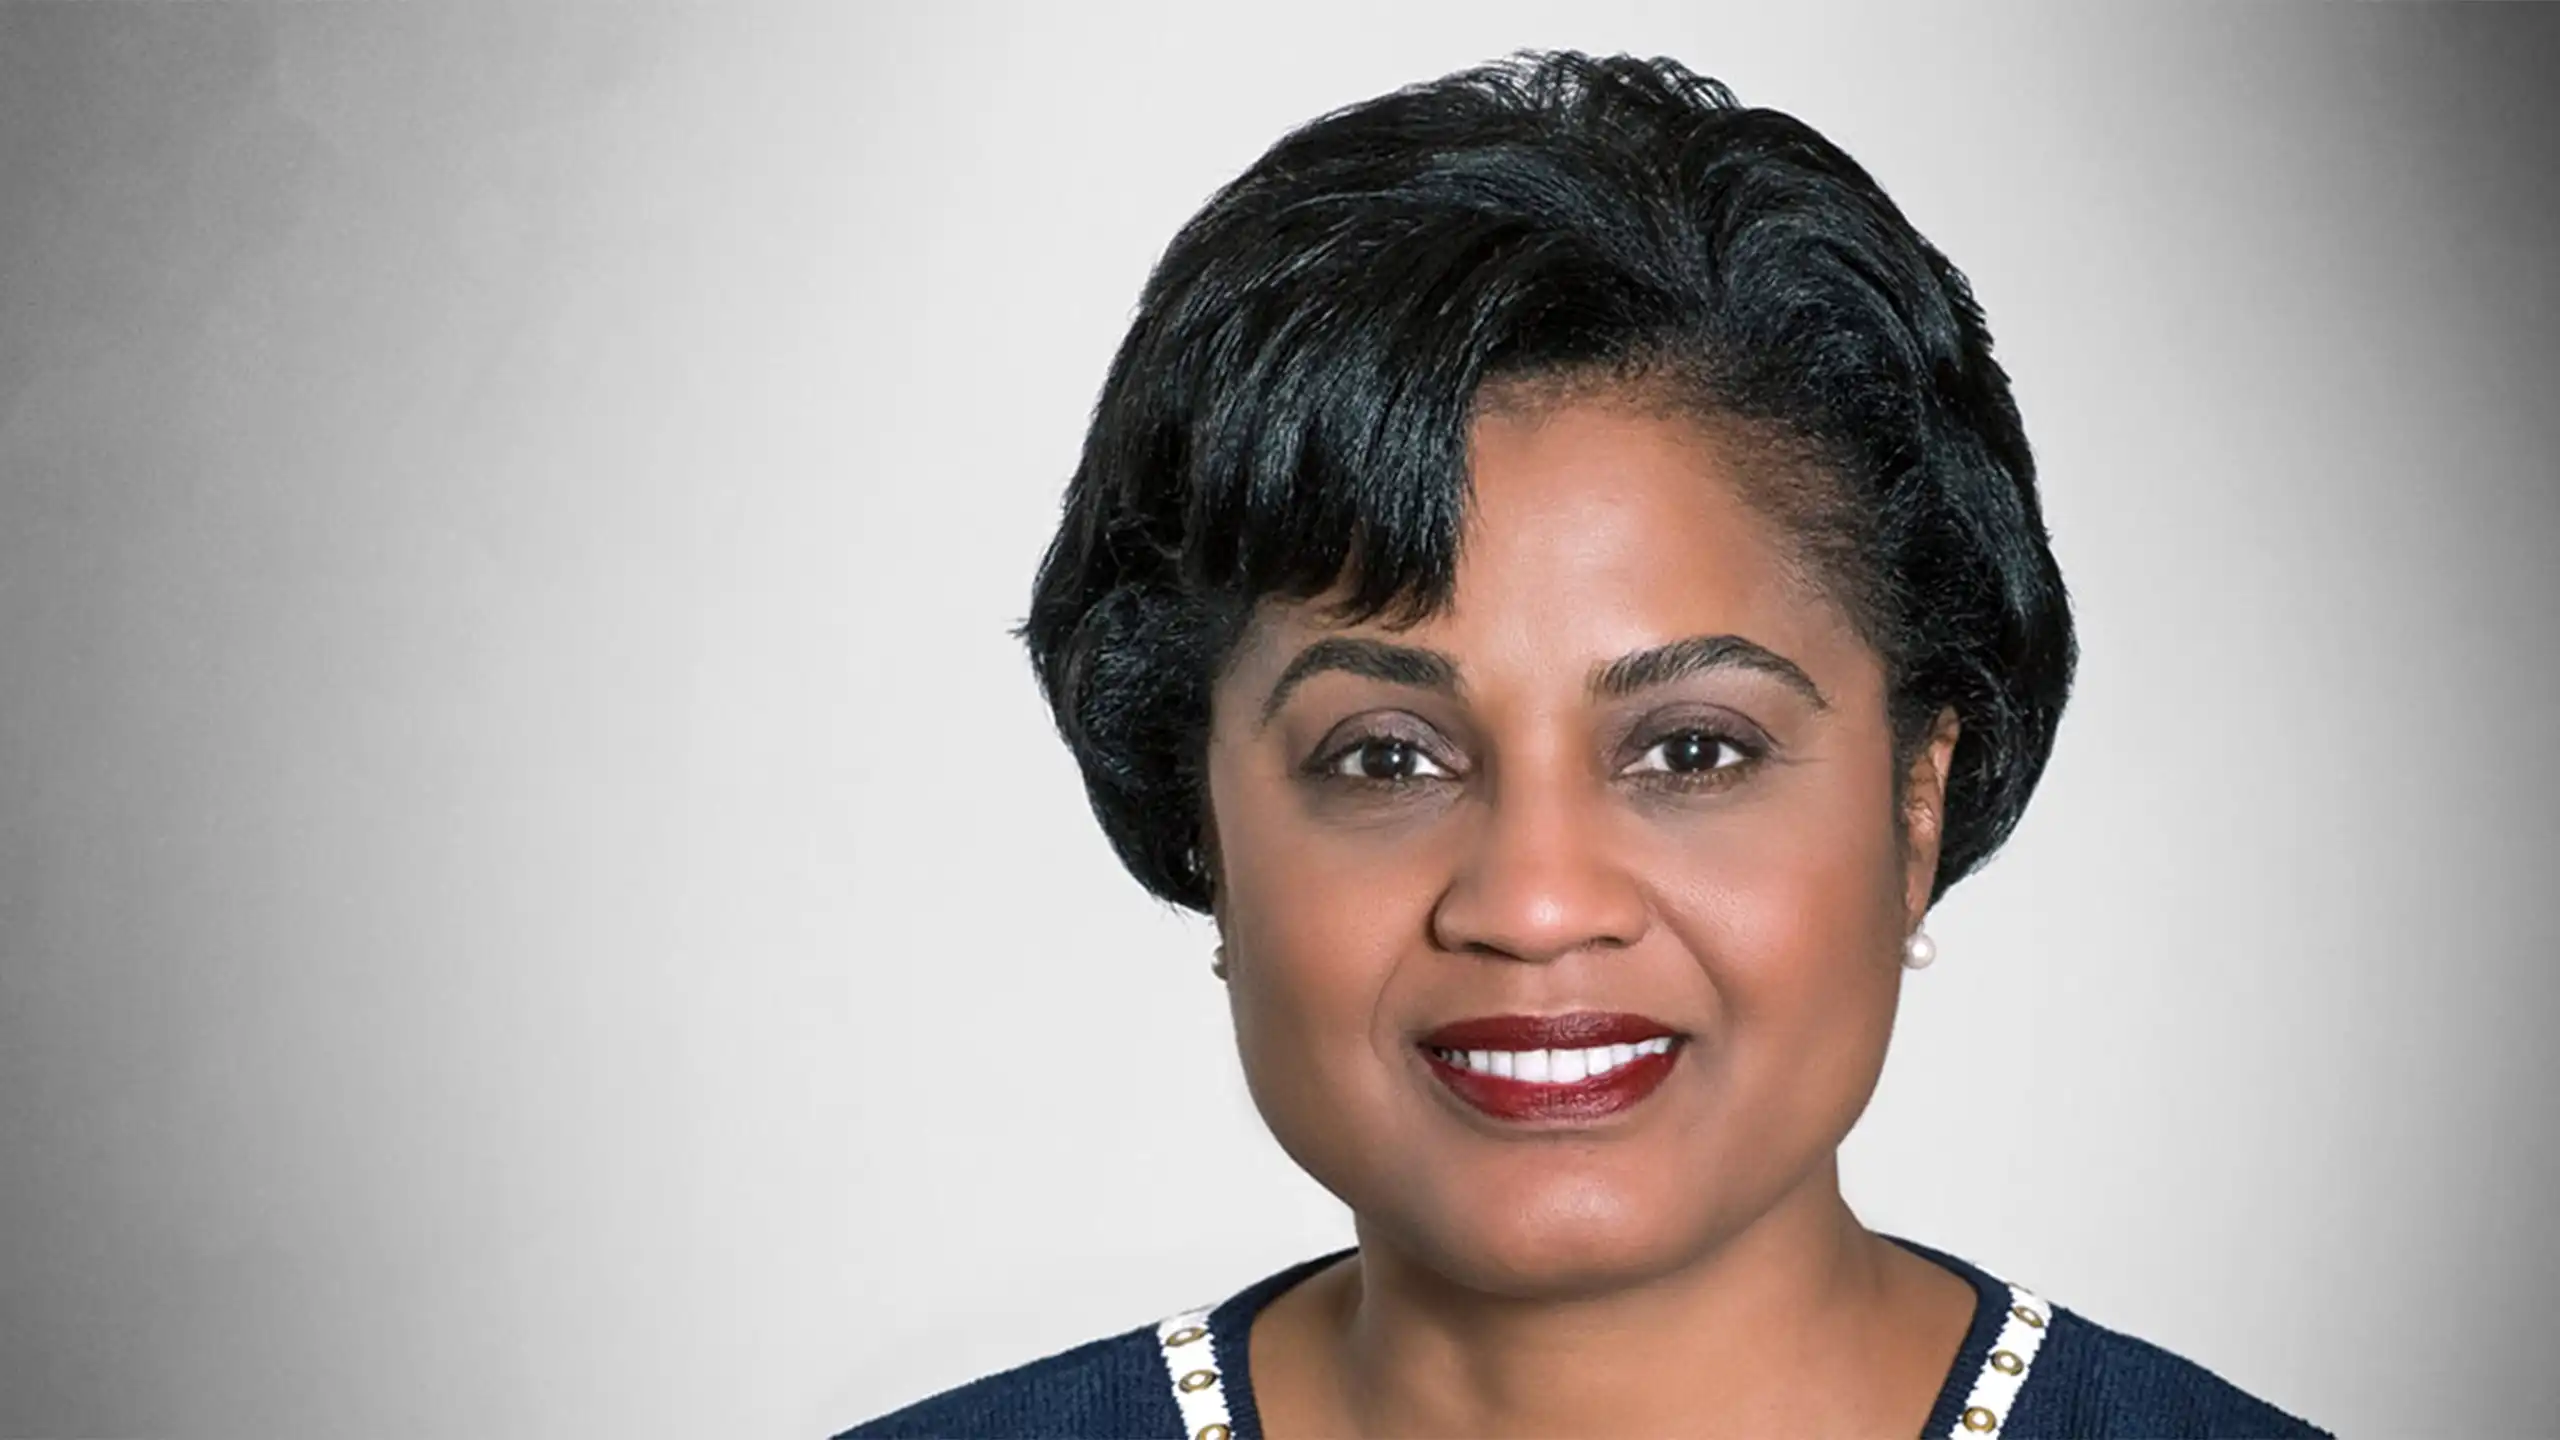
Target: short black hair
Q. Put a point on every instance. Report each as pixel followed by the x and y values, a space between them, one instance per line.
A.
pixel 1289 412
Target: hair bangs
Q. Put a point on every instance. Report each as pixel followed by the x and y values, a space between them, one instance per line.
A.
pixel 1330 459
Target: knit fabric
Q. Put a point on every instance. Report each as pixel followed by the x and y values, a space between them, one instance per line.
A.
pixel 2087 1383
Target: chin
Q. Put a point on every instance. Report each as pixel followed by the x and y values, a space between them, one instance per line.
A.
pixel 1568 1240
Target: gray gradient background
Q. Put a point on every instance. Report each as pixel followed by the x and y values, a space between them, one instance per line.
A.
pixel 536 897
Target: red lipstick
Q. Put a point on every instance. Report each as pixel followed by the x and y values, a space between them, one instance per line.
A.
pixel 1582 1066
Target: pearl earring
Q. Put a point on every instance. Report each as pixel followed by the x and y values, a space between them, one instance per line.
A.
pixel 1218 961
pixel 1919 950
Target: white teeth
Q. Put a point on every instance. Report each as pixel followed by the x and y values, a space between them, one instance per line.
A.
pixel 1553 1067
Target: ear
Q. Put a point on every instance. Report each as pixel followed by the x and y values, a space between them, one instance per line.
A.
pixel 1212 866
pixel 1924 813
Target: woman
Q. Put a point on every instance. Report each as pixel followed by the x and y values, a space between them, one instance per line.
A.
pixel 1556 573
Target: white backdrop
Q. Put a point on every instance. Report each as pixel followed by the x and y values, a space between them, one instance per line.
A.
pixel 537 898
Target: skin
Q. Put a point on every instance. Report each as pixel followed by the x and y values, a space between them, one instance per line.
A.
pixel 1716 850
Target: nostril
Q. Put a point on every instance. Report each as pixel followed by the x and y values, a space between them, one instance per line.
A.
pixel 1540 927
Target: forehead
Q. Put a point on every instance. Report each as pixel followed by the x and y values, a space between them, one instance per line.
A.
pixel 1594 528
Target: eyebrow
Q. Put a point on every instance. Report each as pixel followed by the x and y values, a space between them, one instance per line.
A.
pixel 1641 670
pixel 1663 664
pixel 1374 659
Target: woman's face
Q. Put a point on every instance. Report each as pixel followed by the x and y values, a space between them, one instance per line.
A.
pixel 1634 786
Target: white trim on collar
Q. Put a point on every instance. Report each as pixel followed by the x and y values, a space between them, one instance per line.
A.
pixel 2004 1370
pixel 1191 1365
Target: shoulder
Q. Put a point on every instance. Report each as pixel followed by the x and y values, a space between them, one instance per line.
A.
pixel 2032 1368
pixel 1111 1386
pixel 1120 1385
pixel 2090 1380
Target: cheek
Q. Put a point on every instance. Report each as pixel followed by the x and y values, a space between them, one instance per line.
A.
pixel 1314 934
pixel 1811 915
pixel 1317 912
pixel 1798 919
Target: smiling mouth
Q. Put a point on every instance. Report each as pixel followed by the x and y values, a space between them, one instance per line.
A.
pixel 1579 1067
pixel 1543 1067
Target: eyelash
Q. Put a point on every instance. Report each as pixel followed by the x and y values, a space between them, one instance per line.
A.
pixel 1328 766
pixel 1714 777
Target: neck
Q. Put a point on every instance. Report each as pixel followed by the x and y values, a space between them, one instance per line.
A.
pixel 1742 1334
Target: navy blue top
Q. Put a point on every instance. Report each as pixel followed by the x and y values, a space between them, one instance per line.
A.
pixel 2086 1382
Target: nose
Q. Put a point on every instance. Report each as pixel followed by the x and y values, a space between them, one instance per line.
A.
pixel 1542 876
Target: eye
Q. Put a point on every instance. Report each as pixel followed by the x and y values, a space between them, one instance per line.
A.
pixel 1691 752
pixel 1385 758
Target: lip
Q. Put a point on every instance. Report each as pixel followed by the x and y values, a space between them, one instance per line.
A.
pixel 1527 1101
